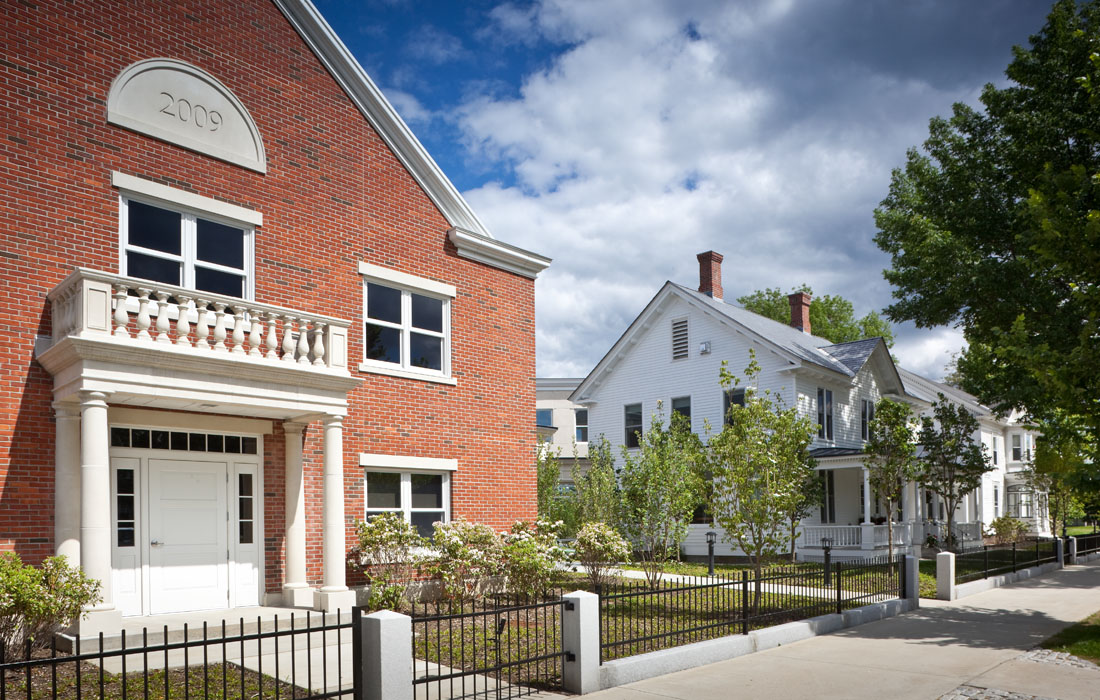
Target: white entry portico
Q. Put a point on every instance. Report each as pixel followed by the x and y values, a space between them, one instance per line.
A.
pixel 163 506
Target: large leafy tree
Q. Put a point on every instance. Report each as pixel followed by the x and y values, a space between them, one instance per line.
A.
pixel 831 317
pixel 995 226
pixel 891 457
pixel 951 461
pixel 1060 473
pixel 660 485
pixel 760 465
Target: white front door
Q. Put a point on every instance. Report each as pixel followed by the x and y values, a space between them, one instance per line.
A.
pixel 188 543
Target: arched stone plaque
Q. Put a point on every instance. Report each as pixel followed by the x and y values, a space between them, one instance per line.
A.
pixel 179 103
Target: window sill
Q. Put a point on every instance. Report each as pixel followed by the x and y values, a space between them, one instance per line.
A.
pixel 406 374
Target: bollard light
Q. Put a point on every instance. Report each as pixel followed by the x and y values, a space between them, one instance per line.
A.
pixel 712 537
pixel 827 546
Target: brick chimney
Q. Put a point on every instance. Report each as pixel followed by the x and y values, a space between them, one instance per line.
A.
pixel 710 274
pixel 800 311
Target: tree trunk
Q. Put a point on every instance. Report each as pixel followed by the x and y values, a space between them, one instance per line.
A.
pixel 890 535
pixel 794 536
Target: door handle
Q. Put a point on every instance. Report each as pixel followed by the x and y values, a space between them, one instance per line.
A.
pixel 156 543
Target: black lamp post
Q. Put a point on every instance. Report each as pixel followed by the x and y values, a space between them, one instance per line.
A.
pixel 712 537
pixel 827 546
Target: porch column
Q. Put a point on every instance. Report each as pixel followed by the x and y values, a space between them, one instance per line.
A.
pixel 296 591
pixel 95 510
pixel 334 594
pixel 66 494
pixel 867 495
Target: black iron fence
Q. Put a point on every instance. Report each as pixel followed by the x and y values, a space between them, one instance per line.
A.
pixel 498 649
pixel 635 618
pixel 290 657
pixel 1087 544
pixel 991 560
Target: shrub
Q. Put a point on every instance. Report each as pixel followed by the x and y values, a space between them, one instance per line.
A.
pixel 530 553
pixel 467 560
pixel 385 551
pixel 36 602
pixel 1007 529
pixel 599 547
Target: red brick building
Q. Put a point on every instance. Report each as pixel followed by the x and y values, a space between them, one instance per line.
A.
pixel 244 308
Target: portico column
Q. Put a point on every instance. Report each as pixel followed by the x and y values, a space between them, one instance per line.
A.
pixel 867 495
pixel 95 510
pixel 296 591
pixel 66 494
pixel 334 593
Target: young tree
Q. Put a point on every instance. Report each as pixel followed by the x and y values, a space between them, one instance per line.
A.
pixel 951 462
pixel 660 486
pixel 1059 470
pixel 554 503
pixel 995 226
pixel 759 466
pixel 891 457
pixel 597 495
pixel 831 317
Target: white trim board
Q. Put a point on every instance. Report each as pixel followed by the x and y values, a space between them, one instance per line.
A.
pixel 406 462
pixel 404 279
pixel 190 200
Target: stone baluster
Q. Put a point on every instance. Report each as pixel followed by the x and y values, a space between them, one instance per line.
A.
pixel 238 329
pixel 303 342
pixel 288 338
pixel 271 340
pixel 183 322
pixel 202 327
pixel 318 343
pixel 163 324
pixel 121 317
pixel 255 335
pixel 219 327
pixel 143 319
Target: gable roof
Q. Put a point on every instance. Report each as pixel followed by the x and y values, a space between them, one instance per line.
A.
pixel 468 233
pixel 844 359
pixel 929 389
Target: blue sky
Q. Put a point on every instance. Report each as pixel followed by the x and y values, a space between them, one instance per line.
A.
pixel 622 137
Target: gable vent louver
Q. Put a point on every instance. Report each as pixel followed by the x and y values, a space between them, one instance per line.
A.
pixel 679 339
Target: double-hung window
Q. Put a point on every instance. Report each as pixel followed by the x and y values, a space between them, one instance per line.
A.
pixel 544 418
pixel 681 406
pixel 421 498
pixel 731 397
pixel 186 249
pixel 825 414
pixel 581 415
pixel 407 324
pixel 632 423
pixel 866 415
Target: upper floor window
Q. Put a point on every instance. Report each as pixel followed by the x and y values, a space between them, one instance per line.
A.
pixel 632 423
pixel 185 249
pixel 825 414
pixel 682 406
pixel 1017 448
pixel 866 415
pixel 544 418
pixel 679 339
pixel 731 397
pixel 581 416
pixel 996 448
pixel 996 500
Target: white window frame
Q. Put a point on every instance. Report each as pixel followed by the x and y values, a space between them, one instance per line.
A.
pixel 190 206
pixel 406 508
pixel 577 425
pixel 408 285
pixel 825 412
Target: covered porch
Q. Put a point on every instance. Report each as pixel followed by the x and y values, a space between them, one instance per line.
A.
pixel 164 398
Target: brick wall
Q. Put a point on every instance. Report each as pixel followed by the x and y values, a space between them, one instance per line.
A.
pixel 333 195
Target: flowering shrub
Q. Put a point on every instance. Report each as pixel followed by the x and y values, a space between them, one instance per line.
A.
pixel 385 551
pixel 36 602
pixel 468 559
pixel 599 548
pixel 530 553
pixel 1007 529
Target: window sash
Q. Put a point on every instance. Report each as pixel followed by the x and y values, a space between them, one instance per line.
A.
pixel 580 417
pixel 188 258
pixel 407 330
pixel 406 509
pixel 632 424
pixel 825 414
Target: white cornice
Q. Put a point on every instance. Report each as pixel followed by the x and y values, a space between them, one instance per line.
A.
pixel 490 251
pixel 332 52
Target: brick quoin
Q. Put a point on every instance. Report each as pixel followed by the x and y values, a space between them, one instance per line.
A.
pixel 334 195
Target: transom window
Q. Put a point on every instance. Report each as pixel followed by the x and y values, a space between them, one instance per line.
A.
pixel 185 249
pixel 406 329
pixel 422 499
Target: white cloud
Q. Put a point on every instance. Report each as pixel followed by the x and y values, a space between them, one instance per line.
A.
pixel 661 133
pixel 410 108
pixel 434 45
pixel 927 352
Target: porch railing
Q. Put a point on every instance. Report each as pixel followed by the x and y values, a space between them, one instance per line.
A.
pixel 840 535
pixel 902 535
pixel 91 304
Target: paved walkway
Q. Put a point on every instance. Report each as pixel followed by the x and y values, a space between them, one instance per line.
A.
pixel 976 647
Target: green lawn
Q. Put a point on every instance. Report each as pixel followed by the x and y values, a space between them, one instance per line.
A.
pixel 927 586
pixel 1079 530
pixel 1082 639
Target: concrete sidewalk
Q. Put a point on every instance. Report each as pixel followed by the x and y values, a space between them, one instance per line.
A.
pixel 942 650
